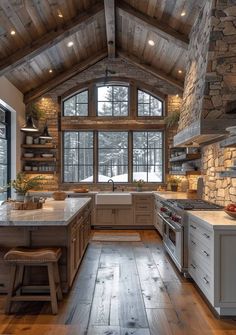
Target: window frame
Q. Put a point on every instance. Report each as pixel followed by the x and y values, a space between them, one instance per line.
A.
pixel 73 95
pixel 150 117
pixel 7 123
pixel 130 155
pixel 112 116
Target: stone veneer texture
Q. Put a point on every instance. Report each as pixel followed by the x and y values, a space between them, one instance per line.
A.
pixel 210 83
pixel 214 160
pixel 196 69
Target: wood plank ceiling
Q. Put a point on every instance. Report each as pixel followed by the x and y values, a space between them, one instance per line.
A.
pixel 43 29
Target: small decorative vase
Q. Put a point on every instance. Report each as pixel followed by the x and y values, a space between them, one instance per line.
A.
pixel 139 188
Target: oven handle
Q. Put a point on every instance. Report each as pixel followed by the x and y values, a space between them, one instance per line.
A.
pixel 176 229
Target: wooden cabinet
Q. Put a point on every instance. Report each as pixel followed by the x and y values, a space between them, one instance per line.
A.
pixel 200 257
pixel 73 240
pixel 143 209
pixel 157 220
pixel 109 215
pixel 211 263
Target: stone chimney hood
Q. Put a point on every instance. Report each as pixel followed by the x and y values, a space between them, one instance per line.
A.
pixel 209 98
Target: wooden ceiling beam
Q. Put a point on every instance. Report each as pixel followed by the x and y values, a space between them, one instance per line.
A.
pixel 109 6
pixel 158 27
pixel 66 75
pixel 50 39
pixel 155 72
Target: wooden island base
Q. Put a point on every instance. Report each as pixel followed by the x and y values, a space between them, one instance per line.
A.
pixel 73 238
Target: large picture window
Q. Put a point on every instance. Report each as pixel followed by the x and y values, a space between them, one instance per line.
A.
pixel 112 101
pixel 113 156
pixel 117 153
pixel 78 156
pixel 4 153
pixel 149 105
pixel 147 156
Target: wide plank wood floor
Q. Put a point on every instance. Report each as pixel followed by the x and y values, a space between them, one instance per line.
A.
pixel 122 288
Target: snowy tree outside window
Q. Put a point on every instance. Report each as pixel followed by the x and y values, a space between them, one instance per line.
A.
pixel 76 105
pixel 112 101
pixel 149 105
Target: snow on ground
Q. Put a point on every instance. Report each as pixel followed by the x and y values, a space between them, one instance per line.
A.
pixel 122 178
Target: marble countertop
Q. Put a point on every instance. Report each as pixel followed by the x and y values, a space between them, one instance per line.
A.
pixel 53 213
pixel 171 195
pixel 214 219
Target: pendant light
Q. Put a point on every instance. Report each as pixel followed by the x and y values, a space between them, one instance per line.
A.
pixel 45 134
pixel 29 126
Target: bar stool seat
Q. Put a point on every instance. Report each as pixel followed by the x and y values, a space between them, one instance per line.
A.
pixel 20 257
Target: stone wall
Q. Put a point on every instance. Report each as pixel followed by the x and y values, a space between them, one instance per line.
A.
pixel 214 160
pixel 50 105
pixel 196 69
pixel 210 82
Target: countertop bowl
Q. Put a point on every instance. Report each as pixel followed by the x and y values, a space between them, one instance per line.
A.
pixel 81 190
pixel 232 214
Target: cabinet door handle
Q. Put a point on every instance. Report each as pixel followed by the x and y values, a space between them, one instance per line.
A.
pixel 193 242
pixel 206 281
pixel 193 226
pixel 206 235
pixel 193 266
pixel 205 253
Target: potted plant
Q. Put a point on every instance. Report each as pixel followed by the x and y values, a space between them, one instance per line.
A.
pixel 22 184
pixel 139 184
pixel 172 119
pixel 174 182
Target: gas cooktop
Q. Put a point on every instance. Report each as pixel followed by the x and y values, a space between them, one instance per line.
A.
pixel 194 204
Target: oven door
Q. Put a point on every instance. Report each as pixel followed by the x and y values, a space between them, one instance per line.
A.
pixel 173 241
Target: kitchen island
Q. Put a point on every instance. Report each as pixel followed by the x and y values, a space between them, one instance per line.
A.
pixel 64 224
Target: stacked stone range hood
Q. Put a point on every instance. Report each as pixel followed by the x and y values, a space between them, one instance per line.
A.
pixel 209 97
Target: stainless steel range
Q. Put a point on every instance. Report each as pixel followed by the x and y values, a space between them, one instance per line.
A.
pixel 173 214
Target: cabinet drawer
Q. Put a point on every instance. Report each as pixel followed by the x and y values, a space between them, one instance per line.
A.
pixel 202 278
pixel 202 252
pixel 201 233
pixel 143 219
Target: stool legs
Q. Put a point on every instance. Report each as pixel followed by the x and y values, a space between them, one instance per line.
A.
pixel 53 290
pixel 10 288
pixel 57 280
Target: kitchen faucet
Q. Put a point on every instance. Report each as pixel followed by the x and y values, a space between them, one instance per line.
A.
pixel 113 184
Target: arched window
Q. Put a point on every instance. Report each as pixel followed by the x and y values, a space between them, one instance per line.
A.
pixel 76 105
pixel 149 105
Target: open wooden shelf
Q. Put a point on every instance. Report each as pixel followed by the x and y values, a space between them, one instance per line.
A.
pixel 39 159
pixel 231 174
pixel 185 157
pixel 229 142
pixel 39 172
pixel 39 146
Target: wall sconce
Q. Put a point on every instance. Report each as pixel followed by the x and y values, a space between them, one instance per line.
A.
pixel 45 134
pixel 29 126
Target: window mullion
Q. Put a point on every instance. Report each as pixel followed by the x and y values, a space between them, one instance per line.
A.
pixel 95 156
pixel 130 156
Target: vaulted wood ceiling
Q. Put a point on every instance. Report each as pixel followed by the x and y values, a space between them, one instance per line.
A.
pixel 98 29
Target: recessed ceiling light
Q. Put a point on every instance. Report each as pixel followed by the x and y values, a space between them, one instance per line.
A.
pixel 43 99
pixel 60 14
pixel 183 13
pixel 13 32
pixel 180 71
pixel 70 44
pixel 151 42
pixel 177 95
pixel 50 71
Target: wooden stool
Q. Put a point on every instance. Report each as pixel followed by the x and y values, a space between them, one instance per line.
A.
pixel 18 258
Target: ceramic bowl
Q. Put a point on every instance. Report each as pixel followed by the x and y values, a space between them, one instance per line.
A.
pixel 47 155
pixel 28 155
